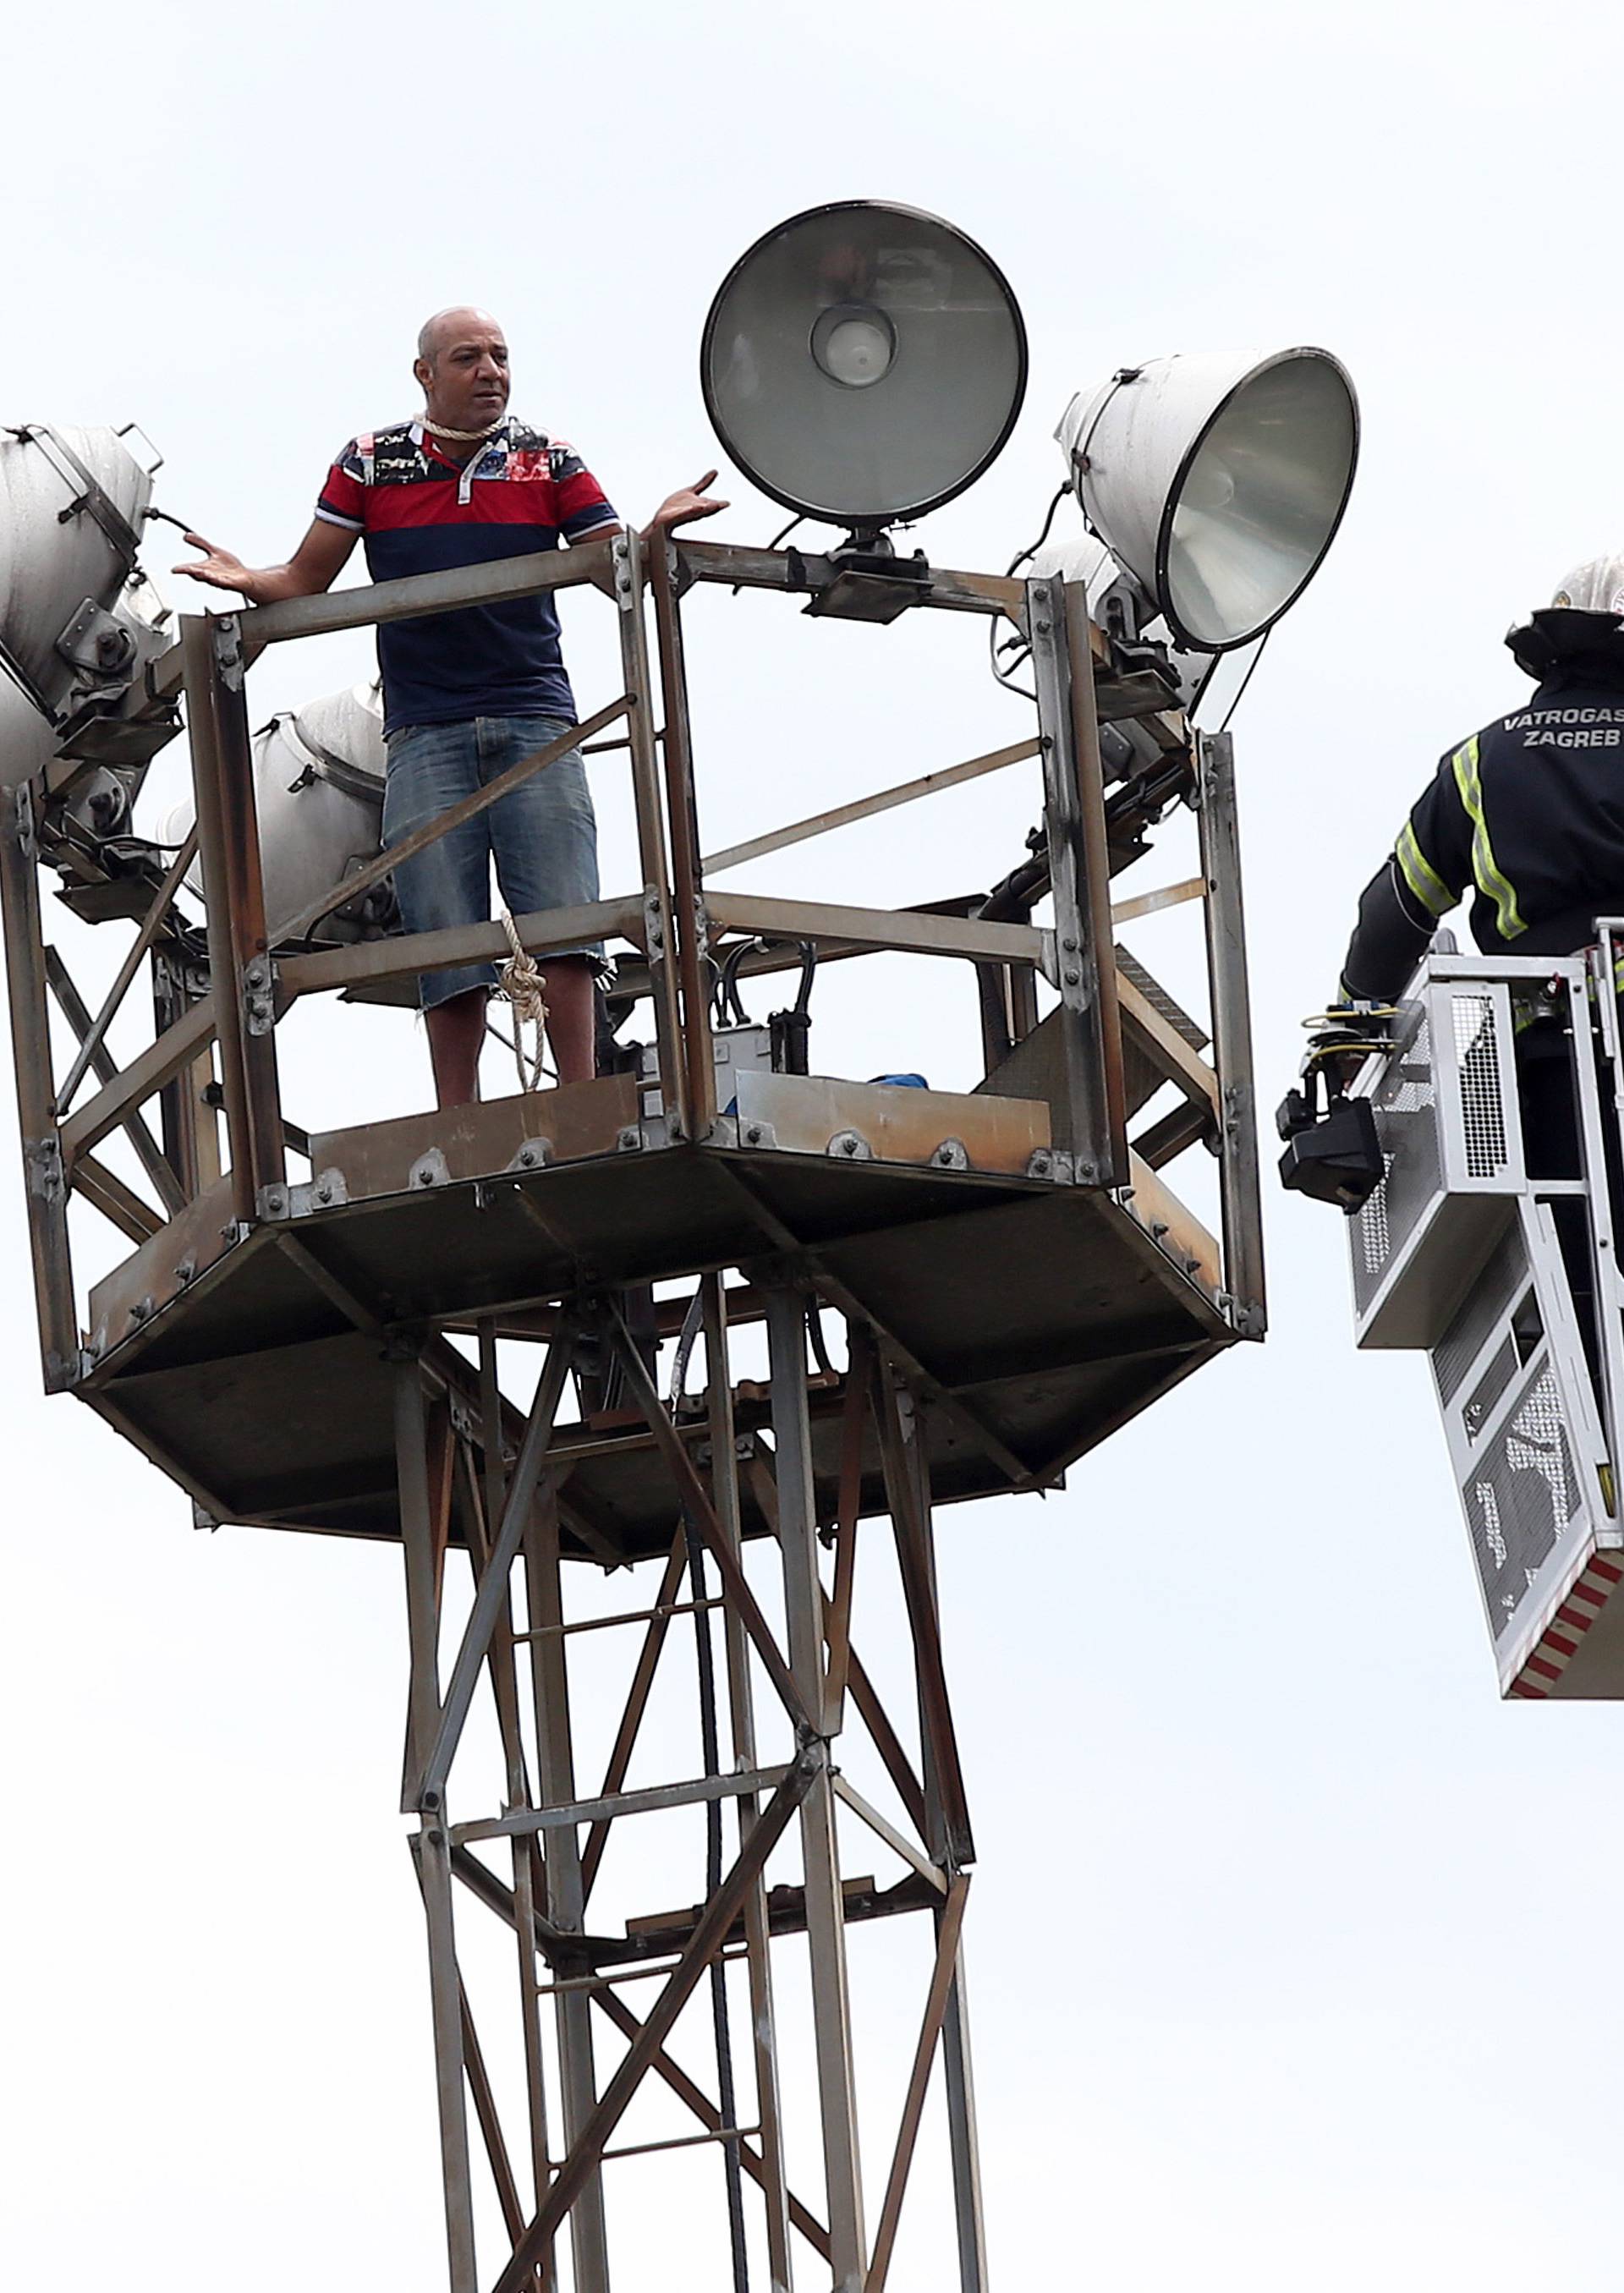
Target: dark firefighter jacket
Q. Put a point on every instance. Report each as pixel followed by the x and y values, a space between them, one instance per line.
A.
pixel 1528 814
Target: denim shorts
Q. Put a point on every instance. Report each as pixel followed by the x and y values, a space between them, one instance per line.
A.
pixel 542 836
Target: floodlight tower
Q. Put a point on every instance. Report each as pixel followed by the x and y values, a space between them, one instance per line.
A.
pixel 990 1282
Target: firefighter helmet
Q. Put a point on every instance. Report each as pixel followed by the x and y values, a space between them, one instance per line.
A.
pixel 1584 620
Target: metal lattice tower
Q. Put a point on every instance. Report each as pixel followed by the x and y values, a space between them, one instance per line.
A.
pixel 989 1283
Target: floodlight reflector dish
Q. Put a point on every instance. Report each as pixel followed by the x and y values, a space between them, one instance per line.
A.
pixel 1219 481
pixel 864 363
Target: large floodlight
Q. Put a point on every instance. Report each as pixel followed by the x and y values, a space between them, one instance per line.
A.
pixel 319 794
pixel 864 363
pixel 1217 481
pixel 74 627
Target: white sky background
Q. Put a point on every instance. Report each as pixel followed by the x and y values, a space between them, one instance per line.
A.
pixel 1286 1943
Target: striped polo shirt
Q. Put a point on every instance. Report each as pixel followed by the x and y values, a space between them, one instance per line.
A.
pixel 420 512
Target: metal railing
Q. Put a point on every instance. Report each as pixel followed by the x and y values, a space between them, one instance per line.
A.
pixel 675 924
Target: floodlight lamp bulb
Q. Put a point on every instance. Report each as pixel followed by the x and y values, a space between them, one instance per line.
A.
pixel 854 344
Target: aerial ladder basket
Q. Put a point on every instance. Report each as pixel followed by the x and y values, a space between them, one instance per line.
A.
pixel 1490 1245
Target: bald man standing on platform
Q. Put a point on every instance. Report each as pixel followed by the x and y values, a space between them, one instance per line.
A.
pixel 467 695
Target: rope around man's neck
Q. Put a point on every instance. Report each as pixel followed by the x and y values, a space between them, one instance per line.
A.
pixel 463 437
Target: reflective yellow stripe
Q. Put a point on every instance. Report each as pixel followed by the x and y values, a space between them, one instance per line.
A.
pixel 1490 881
pixel 1423 878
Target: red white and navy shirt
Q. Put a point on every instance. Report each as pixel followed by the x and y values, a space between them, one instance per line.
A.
pixel 420 512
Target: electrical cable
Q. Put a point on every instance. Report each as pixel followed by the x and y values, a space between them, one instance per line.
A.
pixel 807 950
pixel 1019 643
pixel 729 1008
pixel 1022 555
pixel 1005 676
pixel 784 534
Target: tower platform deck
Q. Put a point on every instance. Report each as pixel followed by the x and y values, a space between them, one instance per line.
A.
pixel 252 1362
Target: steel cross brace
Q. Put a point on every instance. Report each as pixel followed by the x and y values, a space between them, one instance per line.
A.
pixel 586 2150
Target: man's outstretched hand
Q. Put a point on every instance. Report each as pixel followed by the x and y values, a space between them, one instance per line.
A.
pixel 217 567
pixel 689 502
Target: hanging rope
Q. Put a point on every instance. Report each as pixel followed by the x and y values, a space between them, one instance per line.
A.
pixel 522 985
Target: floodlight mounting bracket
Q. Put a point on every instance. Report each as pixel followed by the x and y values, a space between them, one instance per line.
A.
pixel 870 582
pixel 1122 610
pixel 1137 656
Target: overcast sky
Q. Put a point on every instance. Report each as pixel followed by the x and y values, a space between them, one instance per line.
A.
pixel 1288 1943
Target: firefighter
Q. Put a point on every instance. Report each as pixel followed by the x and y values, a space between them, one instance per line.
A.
pixel 1527 815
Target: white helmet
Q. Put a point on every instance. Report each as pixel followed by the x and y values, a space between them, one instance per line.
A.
pixel 1583 619
pixel 1596 587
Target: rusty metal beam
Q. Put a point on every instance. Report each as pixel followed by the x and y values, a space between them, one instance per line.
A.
pixel 908 1523
pixel 653 856
pixel 106 1191
pixel 239 954
pixel 587 2148
pixel 493 1594
pixel 871 1710
pixel 632 1716
pixel 919 2079
pixel 490 2119
pixel 1091 1100
pixel 43 1174
pixel 1150 903
pixel 177 1047
pixel 682 821
pixel 717 1307
pixel 1226 954
pixel 397 957
pixel 489 1891
pixel 695 1496
pixel 153 1160
pixel 151 923
pixel 443 592
pixel 837 1623
pixel 431 1848
pixel 906 931
pixel 842 816
pixel 1164 1046
pixel 799 571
